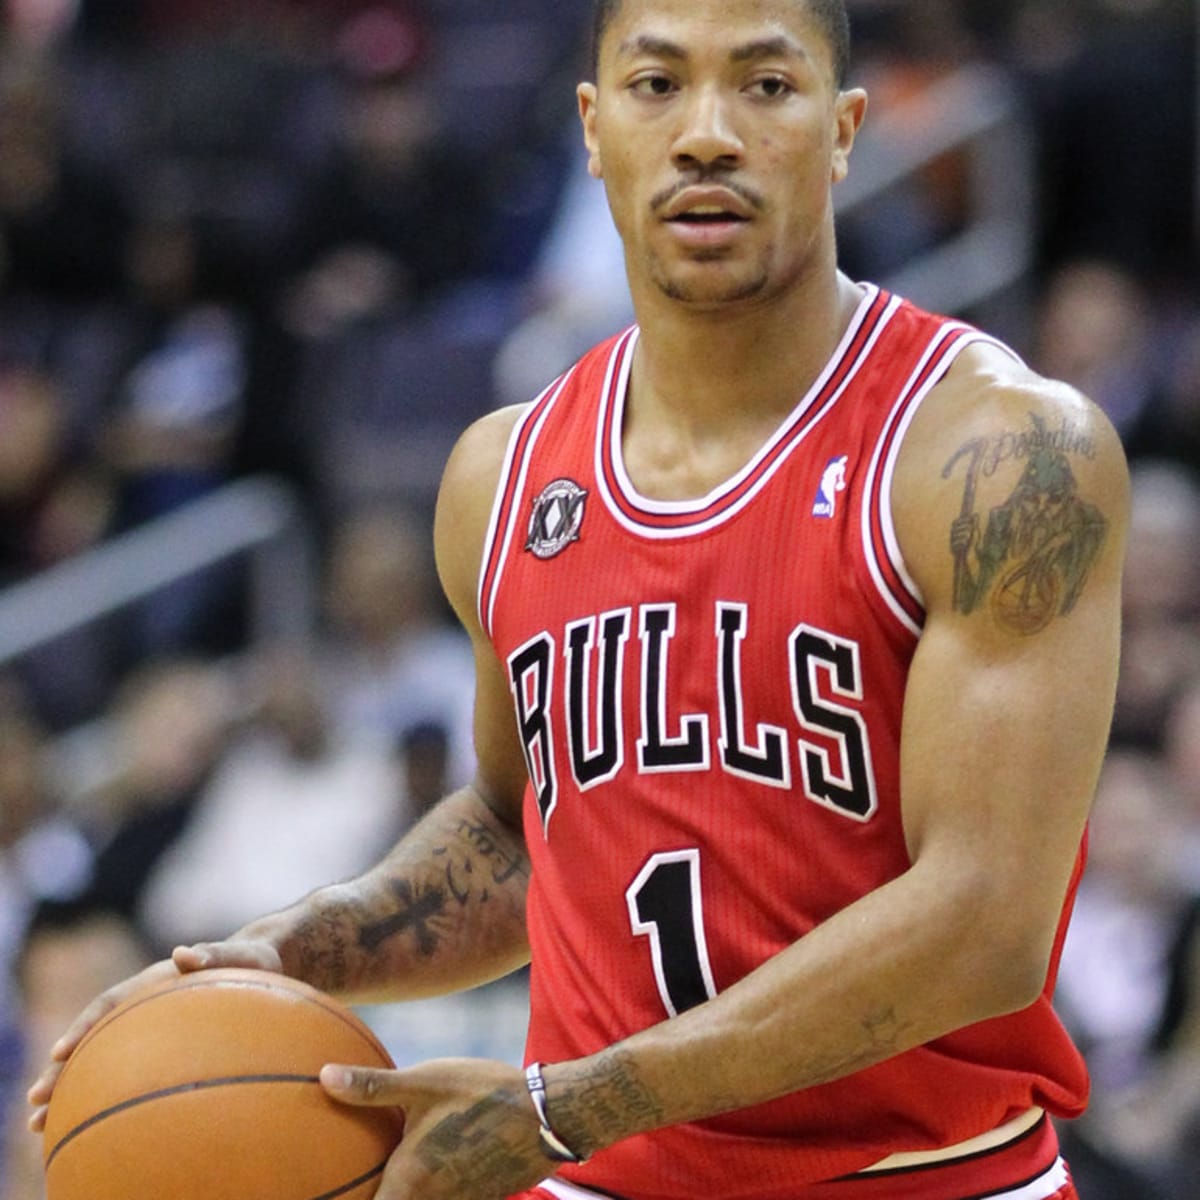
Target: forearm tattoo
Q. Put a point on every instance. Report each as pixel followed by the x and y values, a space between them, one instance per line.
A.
pixel 1027 561
pixel 324 944
pixel 884 1035
pixel 607 1103
pixel 421 899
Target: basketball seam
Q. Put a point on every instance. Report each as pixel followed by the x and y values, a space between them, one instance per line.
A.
pixel 201 1085
pixel 349 1187
pixel 193 1085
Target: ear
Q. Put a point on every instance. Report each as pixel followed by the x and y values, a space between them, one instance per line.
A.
pixel 850 108
pixel 586 94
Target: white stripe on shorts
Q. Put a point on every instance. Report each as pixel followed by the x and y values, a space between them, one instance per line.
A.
pixel 1044 1186
pixel 568 1191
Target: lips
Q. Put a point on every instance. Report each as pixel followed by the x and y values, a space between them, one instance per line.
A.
pixel 707 206
pixel 705 216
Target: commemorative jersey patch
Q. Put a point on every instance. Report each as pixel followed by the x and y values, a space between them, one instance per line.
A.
pixel 557 518
pixel 833 482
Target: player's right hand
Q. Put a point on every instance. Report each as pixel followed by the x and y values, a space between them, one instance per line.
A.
pixel 184 959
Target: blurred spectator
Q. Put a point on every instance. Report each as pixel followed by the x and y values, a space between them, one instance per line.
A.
pixel 393 659
pixel 1096 331
pixel 1115 87
pixel 397 214
pixel 902 52
pixel 43 856
pixel 51 504
pixel 1181 746
pixel 69 956
pixel 172 427
pixel 43 853
pixel 60 228
pixel 425 763
pixel 37 24
pixel 1160 651
pixel 1115 970
pixel 576 295
pixel 1159 1123
pixel 262 823
pixel 1112 984
pixel 54 504
pixel 167 729
pixel 1170 427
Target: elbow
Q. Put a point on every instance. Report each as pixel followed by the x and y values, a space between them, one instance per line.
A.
pixel 1017 982
pixel 1009 964
pixel 995 939
pixel 996 944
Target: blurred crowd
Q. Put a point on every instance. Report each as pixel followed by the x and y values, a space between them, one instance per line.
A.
pixel 311 240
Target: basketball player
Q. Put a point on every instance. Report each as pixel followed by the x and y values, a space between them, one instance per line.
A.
pixel 796 616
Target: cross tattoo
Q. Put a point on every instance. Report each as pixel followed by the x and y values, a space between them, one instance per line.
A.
pixel 416 913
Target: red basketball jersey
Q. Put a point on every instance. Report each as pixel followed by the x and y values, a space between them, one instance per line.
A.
pixel 709 695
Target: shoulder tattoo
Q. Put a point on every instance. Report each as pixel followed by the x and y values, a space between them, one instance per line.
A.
pixel 1028 558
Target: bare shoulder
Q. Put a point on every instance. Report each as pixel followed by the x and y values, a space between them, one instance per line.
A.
pixel 1010 495
pixel 465 501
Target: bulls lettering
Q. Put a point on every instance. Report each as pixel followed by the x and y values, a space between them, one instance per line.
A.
pixel 825 730
pixel 594 725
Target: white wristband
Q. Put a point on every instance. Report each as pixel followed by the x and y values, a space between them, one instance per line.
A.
pixel 553 1147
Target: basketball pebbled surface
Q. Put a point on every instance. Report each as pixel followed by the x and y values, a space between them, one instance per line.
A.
pixel 205 1088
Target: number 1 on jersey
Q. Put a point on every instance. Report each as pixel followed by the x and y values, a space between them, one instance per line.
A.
pixel 665 906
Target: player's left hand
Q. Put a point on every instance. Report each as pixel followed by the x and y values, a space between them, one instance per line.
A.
pixel 470 1129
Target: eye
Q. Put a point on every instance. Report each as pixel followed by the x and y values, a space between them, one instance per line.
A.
pixel 653 85
pixel 771 87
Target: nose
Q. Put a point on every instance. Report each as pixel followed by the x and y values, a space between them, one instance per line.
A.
pixel 707 137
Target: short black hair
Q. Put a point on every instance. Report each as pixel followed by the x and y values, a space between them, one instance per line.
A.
pixel 831 15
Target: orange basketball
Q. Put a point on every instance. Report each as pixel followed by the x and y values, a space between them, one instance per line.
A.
pixel 205 1088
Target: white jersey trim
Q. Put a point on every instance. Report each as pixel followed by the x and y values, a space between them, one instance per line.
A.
pixel 487 604
pixel 907 407
pixel 787 435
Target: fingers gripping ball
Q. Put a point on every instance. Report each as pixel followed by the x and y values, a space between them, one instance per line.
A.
pixel 205 1088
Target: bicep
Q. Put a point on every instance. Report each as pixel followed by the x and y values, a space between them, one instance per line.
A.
pixel 1000 753
pixel 1010 694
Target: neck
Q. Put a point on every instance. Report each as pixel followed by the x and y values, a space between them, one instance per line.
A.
pixel 703 365
pixel 709 388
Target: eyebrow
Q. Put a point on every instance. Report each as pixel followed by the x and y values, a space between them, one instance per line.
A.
pixel 649 44
pixel 769 47
pixel 773 47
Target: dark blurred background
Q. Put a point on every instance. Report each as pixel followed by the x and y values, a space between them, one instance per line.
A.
pixel 262 260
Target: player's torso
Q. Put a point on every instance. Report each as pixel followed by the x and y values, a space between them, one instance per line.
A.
pixel 709 692
pixel 709 695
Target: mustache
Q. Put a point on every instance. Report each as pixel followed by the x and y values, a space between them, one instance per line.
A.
pixel 716 178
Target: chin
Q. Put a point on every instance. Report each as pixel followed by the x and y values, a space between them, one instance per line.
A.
pixel 712 295
pixel 713 279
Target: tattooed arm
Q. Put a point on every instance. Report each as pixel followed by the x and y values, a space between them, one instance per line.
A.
pixel 443 911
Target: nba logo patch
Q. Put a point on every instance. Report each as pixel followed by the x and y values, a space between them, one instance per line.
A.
pixel 833 481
